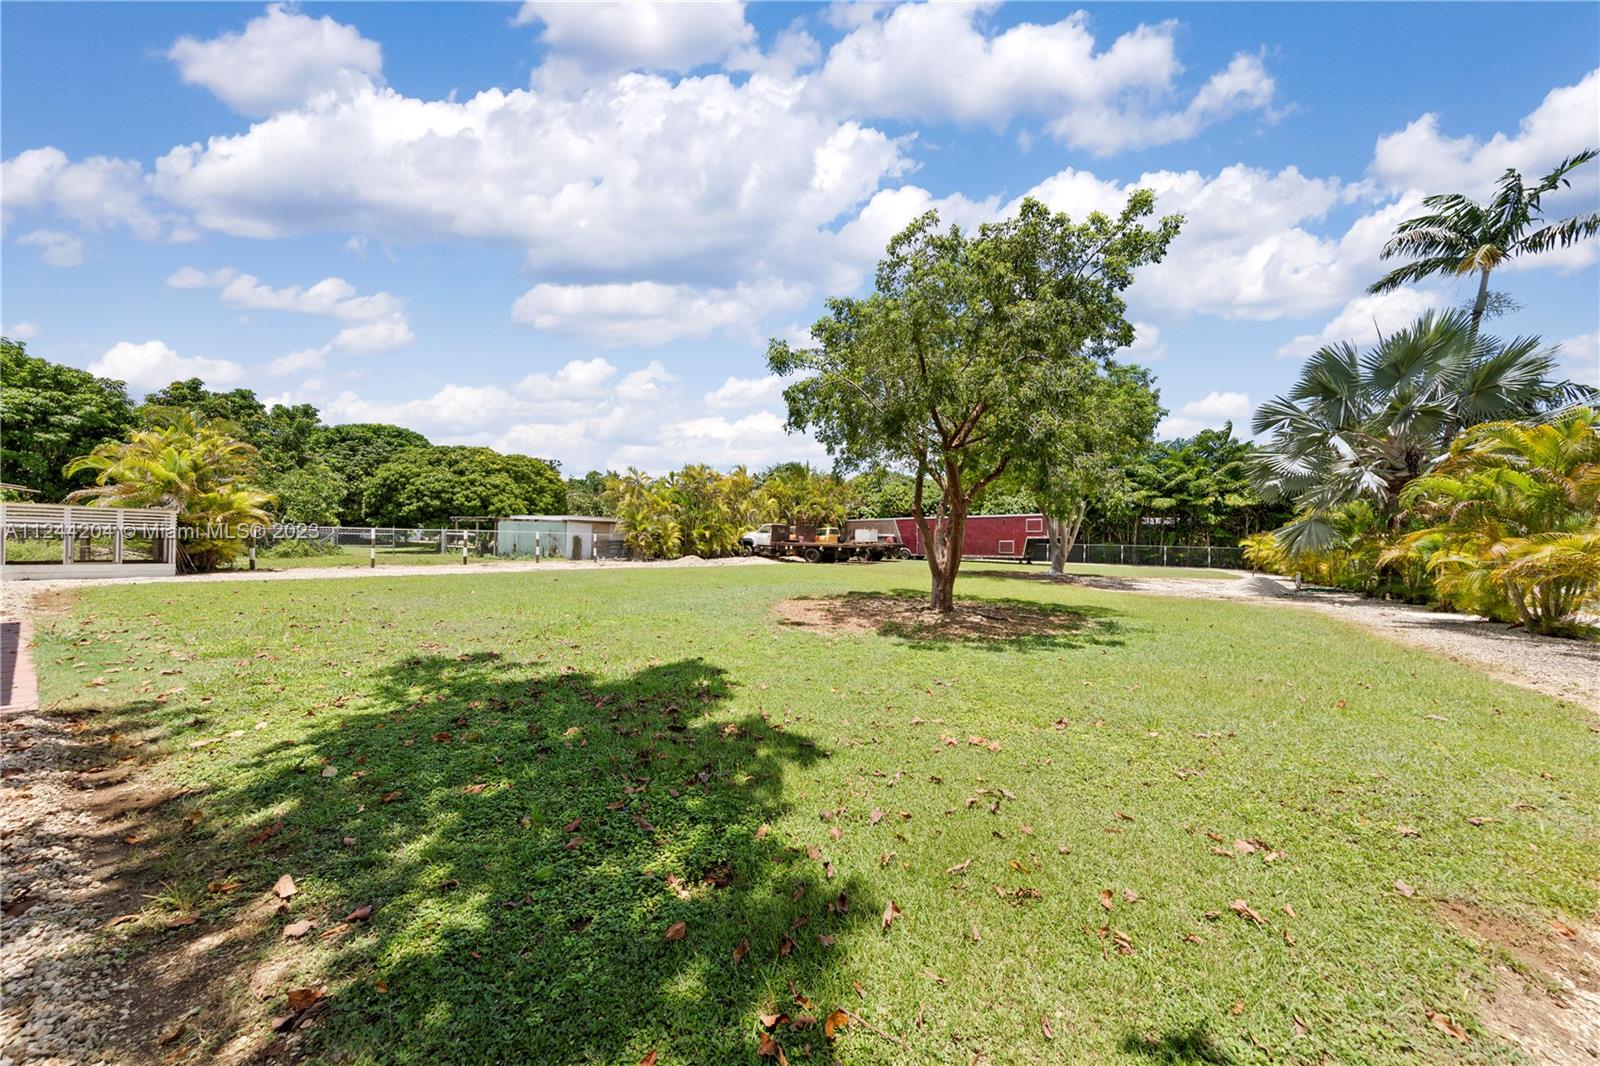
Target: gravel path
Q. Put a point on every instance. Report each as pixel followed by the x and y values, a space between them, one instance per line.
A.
pixel 57 989
pixel 1567 669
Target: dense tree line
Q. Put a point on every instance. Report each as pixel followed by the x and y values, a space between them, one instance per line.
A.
pixel 303 470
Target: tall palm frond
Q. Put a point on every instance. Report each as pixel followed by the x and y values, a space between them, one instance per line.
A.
pixel 1458 235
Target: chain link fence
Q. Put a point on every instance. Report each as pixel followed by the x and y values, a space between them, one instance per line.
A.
pixel 1199 556
pixel 310 545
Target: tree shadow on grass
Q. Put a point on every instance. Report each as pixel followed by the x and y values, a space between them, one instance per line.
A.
pixel 1179 1047
pixel 528 840
pixel 1000 624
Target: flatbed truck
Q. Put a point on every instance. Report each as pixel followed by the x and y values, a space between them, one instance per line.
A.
pixel 824 544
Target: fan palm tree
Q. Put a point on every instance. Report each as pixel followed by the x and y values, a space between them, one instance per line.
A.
pixel 199 468
pixel 1514 531
pixel 1460 236
pixel 1360 426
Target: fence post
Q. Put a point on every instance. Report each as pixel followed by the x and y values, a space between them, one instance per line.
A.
pixel 1121 549
pixel 372 554
pixel 1163 555
pixel 1208 556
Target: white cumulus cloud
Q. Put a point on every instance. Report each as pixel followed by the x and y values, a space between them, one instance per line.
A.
pixel 646 312
pixel 282 59
pixel 56 247
pixel 1209 412
pixel 152 365
pixel 1422 156
pixel 1366 319
pixel 604 38
pixel 938 62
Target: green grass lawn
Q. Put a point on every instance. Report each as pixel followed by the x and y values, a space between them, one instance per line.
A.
pixel 539 775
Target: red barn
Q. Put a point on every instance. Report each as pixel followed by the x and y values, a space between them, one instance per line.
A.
pixel 988 536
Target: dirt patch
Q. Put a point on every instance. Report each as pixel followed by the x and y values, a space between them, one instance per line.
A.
pixel 910 618
pixel 1547 1001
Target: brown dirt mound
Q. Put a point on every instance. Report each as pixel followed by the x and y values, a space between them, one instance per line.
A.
pixel 1549 1003
pixel 911 618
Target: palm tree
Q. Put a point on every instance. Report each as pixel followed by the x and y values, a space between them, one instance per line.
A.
pixel 199 468
pixel 1459 235
pixel 1514 531
pixel 1360 426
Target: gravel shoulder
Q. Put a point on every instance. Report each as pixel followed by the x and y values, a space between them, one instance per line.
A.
pixel 1566 669
pixel 61 996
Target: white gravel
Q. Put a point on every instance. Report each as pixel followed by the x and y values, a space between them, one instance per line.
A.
pixel 1566 669
pixel 57 987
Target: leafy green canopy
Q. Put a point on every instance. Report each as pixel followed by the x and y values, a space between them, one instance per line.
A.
pixel 52 414
pixel 355 452
pixel 425 486
pixel 945 368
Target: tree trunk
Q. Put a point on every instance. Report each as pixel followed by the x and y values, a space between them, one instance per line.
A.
pixel 1063 533
pixel 948 534
pixel 1482 301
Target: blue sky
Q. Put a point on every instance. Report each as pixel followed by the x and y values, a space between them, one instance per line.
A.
pixel 568 230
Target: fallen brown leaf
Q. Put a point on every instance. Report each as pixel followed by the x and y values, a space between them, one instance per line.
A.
pixel 301 998
pixel 266 834
pixel 285 887
pixel 1242 909
pixel 295 930
pixel 890 913
pixel 1443 1023
pixel 676 931
pixel 1404 889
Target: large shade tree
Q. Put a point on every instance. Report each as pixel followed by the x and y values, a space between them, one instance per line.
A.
pixel 1365 425
pixel 355 451
pixel 944 369
pixel 51 414
pixel 1083 450
pixel 1458 235
pixel 427 486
